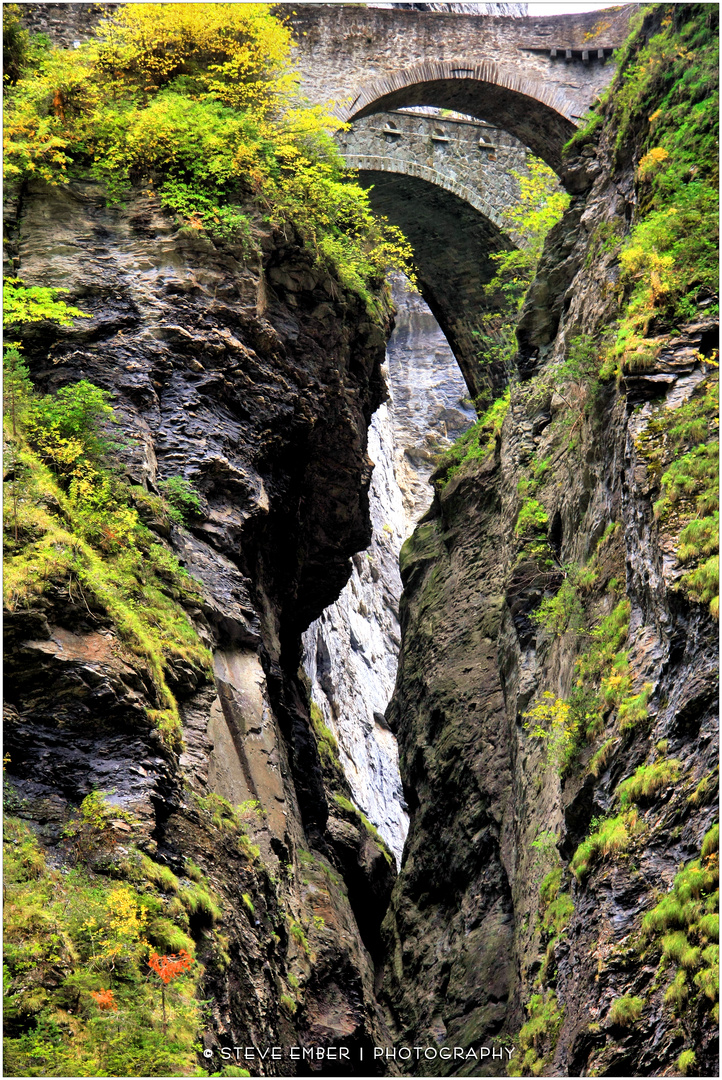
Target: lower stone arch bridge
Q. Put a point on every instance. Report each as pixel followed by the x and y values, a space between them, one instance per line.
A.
pixel 446 183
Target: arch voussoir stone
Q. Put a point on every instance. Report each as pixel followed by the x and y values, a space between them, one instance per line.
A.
pixel 433 71
pixel 539 115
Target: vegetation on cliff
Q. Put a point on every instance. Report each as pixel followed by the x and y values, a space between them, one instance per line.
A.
pixel 197 104
pixel 73 522
pixel 81 996
pixel 542 201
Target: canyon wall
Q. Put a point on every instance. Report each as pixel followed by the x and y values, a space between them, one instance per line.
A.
pixel 257 382
pixel 516 916
pixel 555 702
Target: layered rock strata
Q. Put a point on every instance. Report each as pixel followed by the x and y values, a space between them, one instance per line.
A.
pixel 255 380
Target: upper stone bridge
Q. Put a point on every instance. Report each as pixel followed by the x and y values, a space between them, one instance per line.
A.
pixel 534 77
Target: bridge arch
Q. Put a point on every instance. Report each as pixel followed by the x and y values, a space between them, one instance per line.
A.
pixel 471 159
pixel 453 243
pixel 539 115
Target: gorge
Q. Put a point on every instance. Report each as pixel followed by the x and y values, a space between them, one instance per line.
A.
pixel 212 760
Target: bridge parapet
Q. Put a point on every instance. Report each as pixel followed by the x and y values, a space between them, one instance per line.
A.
pixel 471 159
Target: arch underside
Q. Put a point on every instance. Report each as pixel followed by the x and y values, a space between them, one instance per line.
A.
pixel 538 116
pixel 452 244
pixel 475 197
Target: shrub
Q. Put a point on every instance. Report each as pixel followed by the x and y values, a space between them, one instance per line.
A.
pixel 183 498
pixel 625 1011
pixel 551 720
pixel 532 519
pixel 200 106
pixel 85 939
pixel 563 611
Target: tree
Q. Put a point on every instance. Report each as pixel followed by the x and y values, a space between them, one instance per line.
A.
pixel 168 968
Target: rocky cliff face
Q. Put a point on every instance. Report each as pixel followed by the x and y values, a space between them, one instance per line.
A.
pixel 515 902
pixel 257 382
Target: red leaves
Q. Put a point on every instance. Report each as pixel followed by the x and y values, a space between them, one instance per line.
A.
pixel 104 999
pixel 167 967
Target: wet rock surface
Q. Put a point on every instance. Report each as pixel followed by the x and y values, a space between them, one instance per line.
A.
pixel 351 652
pixel 256 380
pixel 489 816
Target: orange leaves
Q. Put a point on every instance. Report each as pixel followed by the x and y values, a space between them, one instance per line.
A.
pixel 104 999
pixel 168 967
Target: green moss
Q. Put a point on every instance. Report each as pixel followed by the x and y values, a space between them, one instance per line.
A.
pixel 70 523
pixel 662 106
pixel 612 837
pixel 475 444
pixel 599 760
pixel 686 1061
pixel 201 904
pixel 648 780
pixel 537 1038
pixel 685 924
pixel 710 843
pixel 360 818
pixel 677 992
pixel 193 871
pixel 162 876
pixel 550 885
pixel 625 1011
pixel 532 519
pixel 299 935
pixel 327 748
pixel 558 914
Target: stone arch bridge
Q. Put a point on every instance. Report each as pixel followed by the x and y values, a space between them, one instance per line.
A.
pixel 513 84
pixel 521 83
pixel 535 77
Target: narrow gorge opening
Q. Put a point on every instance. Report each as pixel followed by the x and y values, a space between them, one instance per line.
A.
pixel 351 651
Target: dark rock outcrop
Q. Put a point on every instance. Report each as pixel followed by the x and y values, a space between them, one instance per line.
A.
pixel 255 379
